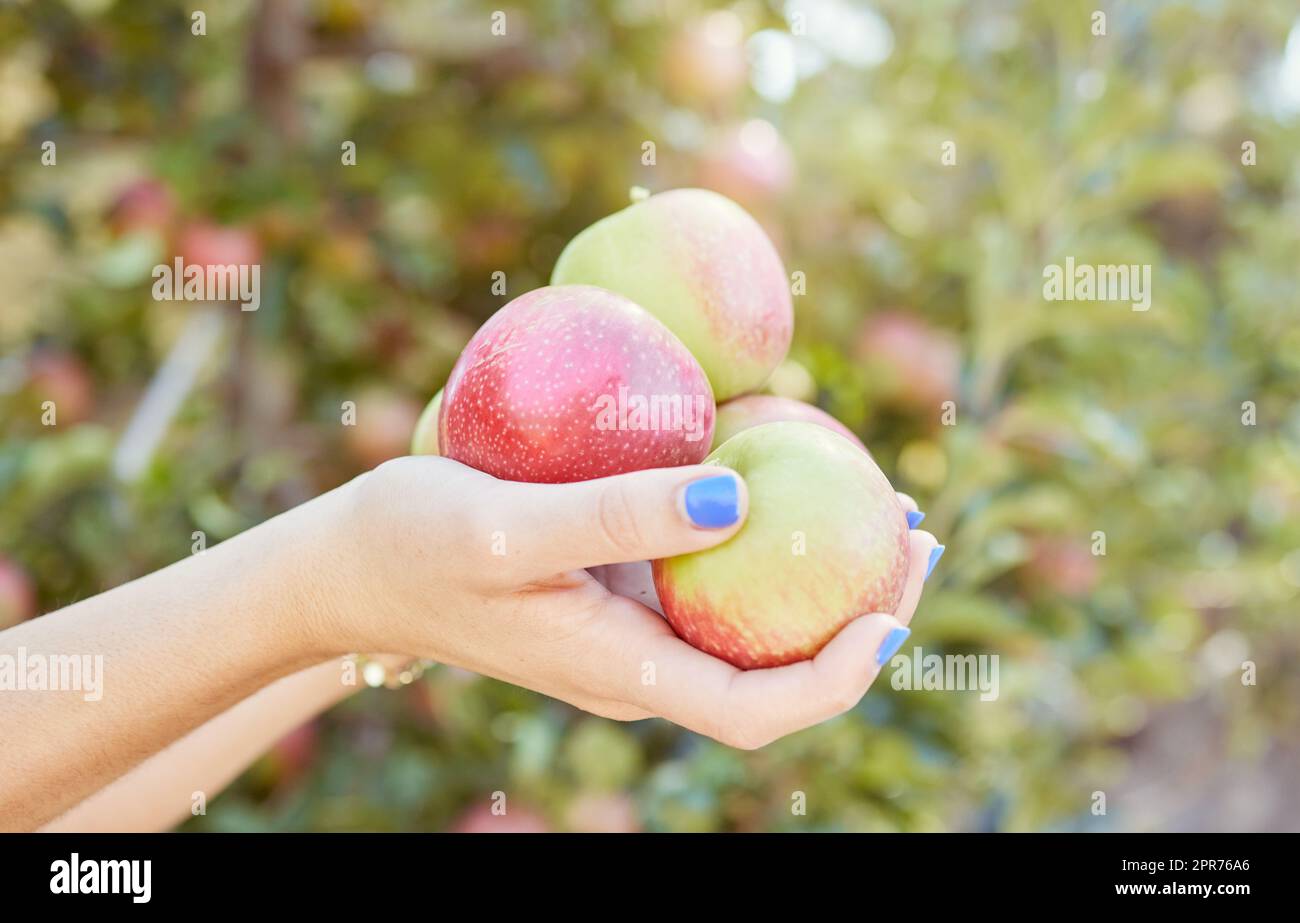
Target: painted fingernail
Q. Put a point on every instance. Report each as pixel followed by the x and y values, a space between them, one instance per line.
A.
pixel 935 554
pixel 713 503
pixel 889 647
pixel 914 519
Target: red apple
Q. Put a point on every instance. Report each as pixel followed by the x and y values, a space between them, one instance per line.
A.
pixel 480 819
pixel 751 164
pixel 61 377
pixel 203 243
pixel 918 363
pixel 701 264
pixel 17 594
pixel 490 242
pixel 754 409
pixel 144 205
pixel 573 382
pixel 293 754
pixel 825 541
pixel 383 426
pixel 597 812
pixel 1061 566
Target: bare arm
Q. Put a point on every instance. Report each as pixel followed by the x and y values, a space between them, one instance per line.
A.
pixel 409 557
pixel 160 792
pixel 170 650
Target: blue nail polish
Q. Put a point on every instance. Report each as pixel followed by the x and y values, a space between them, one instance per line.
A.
pixel 914 519
pixel 935 554
pixel 713 503
pixel 889 647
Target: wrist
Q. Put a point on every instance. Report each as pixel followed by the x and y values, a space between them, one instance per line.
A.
pixel 391 671
pixel 320 569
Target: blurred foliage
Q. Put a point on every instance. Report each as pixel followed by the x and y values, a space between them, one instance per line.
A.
pixel 479 153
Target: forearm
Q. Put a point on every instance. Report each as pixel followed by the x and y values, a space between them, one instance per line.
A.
pixel 160 792
pixel 172 650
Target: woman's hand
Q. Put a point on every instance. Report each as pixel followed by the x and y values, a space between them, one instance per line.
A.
pixel 447 563
pixel 636 580
pixel 422 556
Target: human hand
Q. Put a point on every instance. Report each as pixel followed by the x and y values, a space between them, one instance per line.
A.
pixel 453 565
pixel 636 580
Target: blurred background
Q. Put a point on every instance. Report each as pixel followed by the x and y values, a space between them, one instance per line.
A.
pixel 478 153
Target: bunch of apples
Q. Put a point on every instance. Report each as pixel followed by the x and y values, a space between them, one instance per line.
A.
pixel 659 324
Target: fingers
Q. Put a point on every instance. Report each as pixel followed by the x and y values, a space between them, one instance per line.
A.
pixel 656 672
pixel 920 546
pixel 631 517
pixel 768 704
pixel 653 670
pixel 751 708
pixel 914 515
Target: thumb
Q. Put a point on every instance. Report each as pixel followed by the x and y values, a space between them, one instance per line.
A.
pixel 629 517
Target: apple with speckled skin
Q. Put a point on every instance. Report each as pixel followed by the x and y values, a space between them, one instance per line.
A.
pixel 424 441
pixel 573 382
pixel 825 541
pixel 755 409
pixel 698 262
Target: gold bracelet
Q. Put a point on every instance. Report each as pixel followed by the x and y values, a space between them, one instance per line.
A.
pixel 376 674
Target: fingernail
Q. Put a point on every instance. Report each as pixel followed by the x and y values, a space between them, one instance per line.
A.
pixel 713 503
pixel 935 554
pixel 889 647
pixel 914 519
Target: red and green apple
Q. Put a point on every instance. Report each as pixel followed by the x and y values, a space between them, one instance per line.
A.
pixel 700 263
pixel 825 541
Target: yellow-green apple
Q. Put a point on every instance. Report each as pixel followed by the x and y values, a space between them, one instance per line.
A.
pixel 825 541
pixel 573 382
pixel 424 441
pixel 754 409
pixel 698 262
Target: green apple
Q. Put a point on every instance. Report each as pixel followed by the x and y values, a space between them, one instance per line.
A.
pixel 424 441
pixel 698 262
pixel 825 542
